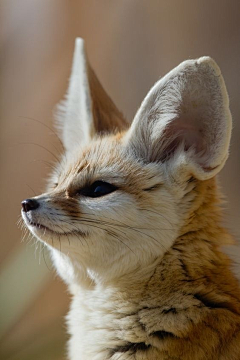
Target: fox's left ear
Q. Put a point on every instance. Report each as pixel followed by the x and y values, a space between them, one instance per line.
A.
pixel 185 120
pixel 88 109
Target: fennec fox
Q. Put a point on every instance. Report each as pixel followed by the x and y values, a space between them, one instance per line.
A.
pixel 133 221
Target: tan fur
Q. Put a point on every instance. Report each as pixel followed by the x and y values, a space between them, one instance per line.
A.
pixel 198 310
pixel 144 262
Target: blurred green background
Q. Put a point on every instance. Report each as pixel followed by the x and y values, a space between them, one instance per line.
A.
pixel 130 43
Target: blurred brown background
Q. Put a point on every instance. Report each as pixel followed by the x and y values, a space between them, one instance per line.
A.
pixel 130 43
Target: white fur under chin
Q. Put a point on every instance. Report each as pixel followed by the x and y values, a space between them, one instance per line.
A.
pixel 92 324
pixel 100 317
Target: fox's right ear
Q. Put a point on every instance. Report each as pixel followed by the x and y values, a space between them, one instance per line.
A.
pixel 87 110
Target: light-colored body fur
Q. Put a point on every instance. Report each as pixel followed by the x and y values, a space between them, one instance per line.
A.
pixel 143 261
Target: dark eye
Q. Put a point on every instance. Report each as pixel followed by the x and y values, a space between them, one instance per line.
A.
pixel 97 189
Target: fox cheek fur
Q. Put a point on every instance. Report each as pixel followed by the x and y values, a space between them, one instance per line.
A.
pixel 132 218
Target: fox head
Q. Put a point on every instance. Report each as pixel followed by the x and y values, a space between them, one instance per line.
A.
pixel 122 193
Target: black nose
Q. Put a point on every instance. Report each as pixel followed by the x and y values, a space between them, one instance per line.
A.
pixel 29 204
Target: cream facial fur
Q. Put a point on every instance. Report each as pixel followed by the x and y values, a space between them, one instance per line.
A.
pixel 132 219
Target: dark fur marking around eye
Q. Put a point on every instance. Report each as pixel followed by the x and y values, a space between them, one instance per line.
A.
pixel 132 347
pixel 154 187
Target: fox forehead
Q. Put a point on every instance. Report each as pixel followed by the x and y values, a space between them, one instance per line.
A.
pixel 107 159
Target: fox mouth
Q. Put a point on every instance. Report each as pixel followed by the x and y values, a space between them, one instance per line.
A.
pixel 38 226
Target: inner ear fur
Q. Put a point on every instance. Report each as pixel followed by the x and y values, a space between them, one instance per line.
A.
pixel 185 113
pixel 106 116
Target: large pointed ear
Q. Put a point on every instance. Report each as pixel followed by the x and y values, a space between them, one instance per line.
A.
pixel 88 109
pixel 185 120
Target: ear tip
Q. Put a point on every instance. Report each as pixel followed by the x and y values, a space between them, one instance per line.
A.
pixel 79 46
pixel 208 68
pixel 208 62
pixel 203 63
pixel 79 41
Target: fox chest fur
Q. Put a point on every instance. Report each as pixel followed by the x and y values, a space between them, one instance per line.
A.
pixel 132 219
